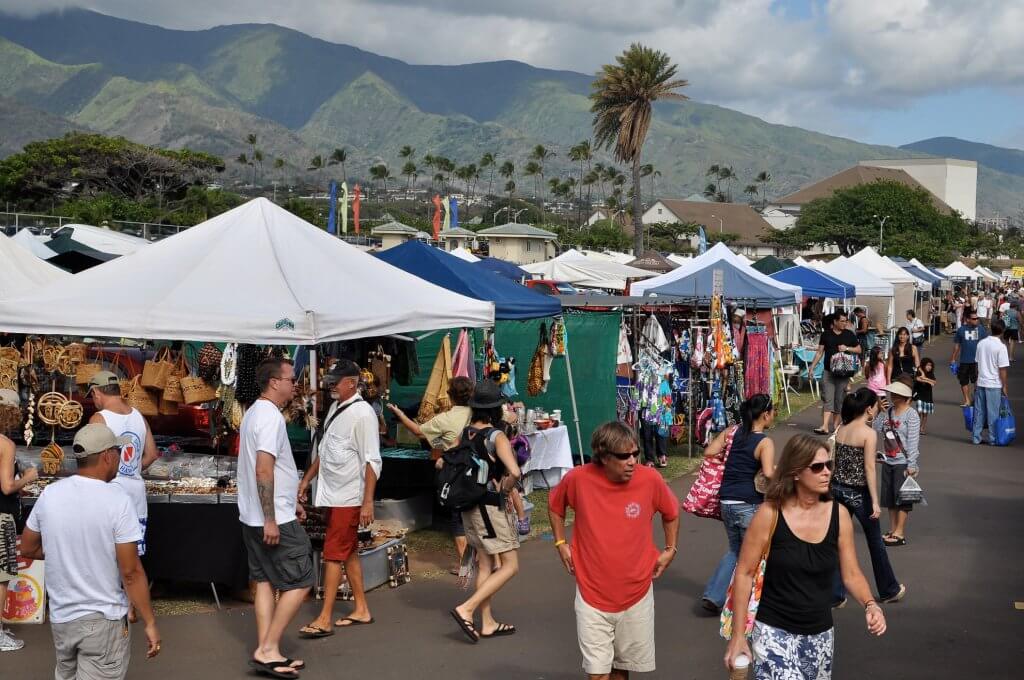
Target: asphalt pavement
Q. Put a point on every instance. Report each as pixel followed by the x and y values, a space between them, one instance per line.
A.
pixel 962 567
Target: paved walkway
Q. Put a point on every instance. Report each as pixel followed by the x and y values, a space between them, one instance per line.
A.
pixel 962 566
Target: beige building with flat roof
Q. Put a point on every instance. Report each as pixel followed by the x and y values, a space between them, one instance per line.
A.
pixel 519 243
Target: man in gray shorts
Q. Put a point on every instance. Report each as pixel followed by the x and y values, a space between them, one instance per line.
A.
pixel 86 530
pixel 836 338
pixel 280 555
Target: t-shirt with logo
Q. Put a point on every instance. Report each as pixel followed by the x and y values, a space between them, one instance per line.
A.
pixel 967 337
pixel 612 542
pixel 129 469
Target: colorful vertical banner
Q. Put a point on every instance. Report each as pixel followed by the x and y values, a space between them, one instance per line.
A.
pixel 332 215
pixel 454 202
pixel 356 196
pixel 447 215
pixel 436 200
pixel 702 247
pixel 344 207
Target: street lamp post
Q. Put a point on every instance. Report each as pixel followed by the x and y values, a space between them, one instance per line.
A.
pixel 881 227
pixel 721 225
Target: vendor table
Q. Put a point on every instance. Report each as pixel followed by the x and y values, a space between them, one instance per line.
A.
pixel 550 458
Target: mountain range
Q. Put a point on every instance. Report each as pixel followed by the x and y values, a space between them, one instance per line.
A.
pixel 302 96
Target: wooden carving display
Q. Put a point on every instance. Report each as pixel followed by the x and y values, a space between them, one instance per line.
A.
pixel 70 415
pixel 49 407
pixel 52 458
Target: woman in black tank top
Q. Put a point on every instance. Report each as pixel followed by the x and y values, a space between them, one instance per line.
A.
pixel 809 536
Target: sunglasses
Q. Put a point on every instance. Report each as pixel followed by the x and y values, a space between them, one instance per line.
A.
pixel 816 468
pixel 625 456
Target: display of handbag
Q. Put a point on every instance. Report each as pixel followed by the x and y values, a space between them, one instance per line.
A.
pixel 166 407
pixel 726 622
pixel 156 370
pixel 9 374
pixel 86 369
pixel 140 398
pixel 843 365
pixel 1006 425
pixel 196 390
pixel 172 390
pixel 702 499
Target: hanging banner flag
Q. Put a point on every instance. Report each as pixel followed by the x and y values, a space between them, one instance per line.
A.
pixel 332 215
pixel 455 212
pixel 447 215
pixel 703 246
pixel 436 200
pixel 355 208
pixel 344 207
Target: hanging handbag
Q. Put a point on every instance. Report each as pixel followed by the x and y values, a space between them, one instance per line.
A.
pixel 207 364
pixel 702 499
pixel 166 407
pixel 196 390
pixel 138 397
pixel 843 365
pixel 87 369
pixel 172 390
pixel 1006 425
pixel 726 627
pixel 156 370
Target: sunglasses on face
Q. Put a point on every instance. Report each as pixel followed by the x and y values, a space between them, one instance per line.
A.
pixel 626 456
pixel 816 468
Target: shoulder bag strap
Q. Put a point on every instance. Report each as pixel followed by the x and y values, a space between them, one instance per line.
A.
pixel 771 534
pixel 323 431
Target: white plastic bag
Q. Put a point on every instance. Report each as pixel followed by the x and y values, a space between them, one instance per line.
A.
pixel 910 492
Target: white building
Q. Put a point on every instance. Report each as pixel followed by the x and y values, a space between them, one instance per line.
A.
pixel 519 243
pixel 732 218
pixel 954 181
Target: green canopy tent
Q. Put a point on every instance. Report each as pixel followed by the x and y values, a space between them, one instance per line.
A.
pixel 771 264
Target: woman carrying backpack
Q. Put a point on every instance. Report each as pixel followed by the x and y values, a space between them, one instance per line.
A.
pixel 490 526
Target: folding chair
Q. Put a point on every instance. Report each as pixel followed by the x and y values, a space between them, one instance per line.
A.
pixel 802 357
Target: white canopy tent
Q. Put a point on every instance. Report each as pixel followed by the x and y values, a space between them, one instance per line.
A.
pixel 958 270
pixel 255 274
pixel 103 240
pixel 903 282
pixel 874 293
pixel 680 259
pixel 22 271
pixel 718 252
pixel 464 254
pixel 576 268
pixel 34 244
pixel 986 273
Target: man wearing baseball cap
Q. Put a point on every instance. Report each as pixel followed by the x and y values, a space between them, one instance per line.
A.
pixel 86 530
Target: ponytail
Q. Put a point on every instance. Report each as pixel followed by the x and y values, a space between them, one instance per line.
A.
pixel 752 409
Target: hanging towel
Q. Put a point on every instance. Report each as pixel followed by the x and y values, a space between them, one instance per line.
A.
pixel 435 399
pixel 653 335
pixel 462 360
pixel 625 353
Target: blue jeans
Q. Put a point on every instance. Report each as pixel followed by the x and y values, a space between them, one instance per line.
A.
pixel 736 517
pixel 858 502
pixel 986 411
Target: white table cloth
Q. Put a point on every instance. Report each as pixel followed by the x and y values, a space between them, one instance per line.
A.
pixel 550 458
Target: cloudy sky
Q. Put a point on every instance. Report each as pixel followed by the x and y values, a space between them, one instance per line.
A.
pixel 884 71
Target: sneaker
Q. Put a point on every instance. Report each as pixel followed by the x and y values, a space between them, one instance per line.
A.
pixel 9 643
pixel 524 526
pixel 897 597
pixel 710 606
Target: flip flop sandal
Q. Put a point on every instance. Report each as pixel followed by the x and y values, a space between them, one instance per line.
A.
pixel 818 430
pixel 894 541
pixel 270 668
pixel 466 626
pixel 501 630
pixel 297 665
pixel 352 622
pixel 312 632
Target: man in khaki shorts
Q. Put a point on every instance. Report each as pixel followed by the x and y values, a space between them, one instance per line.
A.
pixel 612 554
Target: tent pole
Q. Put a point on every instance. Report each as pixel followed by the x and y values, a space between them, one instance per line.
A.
pixel 572 398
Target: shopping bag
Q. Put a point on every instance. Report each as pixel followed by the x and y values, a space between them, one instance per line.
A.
pixel 910 492
pixel 702 499
pixel 1006 426
pixel 968 417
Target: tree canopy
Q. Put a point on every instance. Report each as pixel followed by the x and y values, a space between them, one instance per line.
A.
pixel 851 217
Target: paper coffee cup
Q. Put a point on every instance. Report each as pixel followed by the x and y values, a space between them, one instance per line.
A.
pixel 740 668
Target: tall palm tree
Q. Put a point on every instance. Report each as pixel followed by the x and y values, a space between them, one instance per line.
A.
pixel 510 187
pixel 251 140
pixel 540 155
pixel 317 164
pixel 623 94
pixel 409 170
pixel 714 172
pixel 763 179
pixel 242 159
pixel 338 157
pixel 751 190
pixel 257 160
pixel 447 166
pixel 728 175
pixel 407 153
pixel 581 153
pixel 533 169
pixel 473 173
pixel 589 179
pixel 381 173
pixel 428 163
pixel 488 160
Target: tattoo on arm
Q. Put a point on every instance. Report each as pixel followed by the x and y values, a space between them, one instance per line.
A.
pixel 265 490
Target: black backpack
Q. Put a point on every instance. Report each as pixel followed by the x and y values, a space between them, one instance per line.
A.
pixel 462 480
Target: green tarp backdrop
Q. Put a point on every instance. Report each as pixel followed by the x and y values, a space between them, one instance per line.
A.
pixel 592 345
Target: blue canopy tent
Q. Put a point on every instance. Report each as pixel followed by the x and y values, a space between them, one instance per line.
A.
pixel 502 268
pixel 511 300
pixel 737 285
pixel 815 283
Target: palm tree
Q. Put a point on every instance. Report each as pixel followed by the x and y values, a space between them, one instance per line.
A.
pixel 474 175
pixel 409 170
pixel 251 140
pixel 510 187
pixel 407 152
pixel 589 179
pixel 446 166
pixel 728 175
pixel 540 155
pixel 763 179
pixel 242 159
pixel 488 161
pixel 338 157
pixel 381 173
pixel 257 160
pixel 751 190
pixel 279 167
pixel 428 163
pixel 714 171
pixel 533 169
pixel 316 164
pixel 647 170
pixel 581 153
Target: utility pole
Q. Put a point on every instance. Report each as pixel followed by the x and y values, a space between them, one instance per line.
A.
pixel 881 227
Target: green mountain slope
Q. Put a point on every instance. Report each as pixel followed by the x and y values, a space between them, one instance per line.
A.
pixel 21 124
pixel 303 96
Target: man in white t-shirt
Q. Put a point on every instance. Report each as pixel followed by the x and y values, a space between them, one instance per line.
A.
pixel 993 362
pixel 347 469
pixel 280 555
pixel 86 530
pixel 984 309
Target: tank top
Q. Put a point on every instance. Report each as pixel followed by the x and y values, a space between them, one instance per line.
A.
pixel 129 471
pixel 850 466
pixel 797 594
pixel 741 468
pixel 904 362
pixel 10 503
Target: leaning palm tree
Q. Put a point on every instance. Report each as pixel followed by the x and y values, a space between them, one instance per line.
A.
pixel 488 160
pixel 533 169
pixel 581 153
pixel 338 157
pixel 763 179
pixel 540 155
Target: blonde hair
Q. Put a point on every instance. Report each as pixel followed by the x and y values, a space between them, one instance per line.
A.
pixel 612 437
pixel 796 456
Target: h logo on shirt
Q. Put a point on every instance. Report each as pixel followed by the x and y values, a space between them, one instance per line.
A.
pixel 971 335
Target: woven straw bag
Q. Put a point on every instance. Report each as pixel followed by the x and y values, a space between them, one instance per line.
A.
pixel 138 397
pixel 167 407
pixel 172 390
pixel 156 370
pixel 86 369
pixel 196 390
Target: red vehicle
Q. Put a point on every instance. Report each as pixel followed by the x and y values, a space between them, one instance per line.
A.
pixel 549 287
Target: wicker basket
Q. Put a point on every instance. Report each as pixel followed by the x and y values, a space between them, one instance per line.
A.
pixel 140 398
pixel 156 371
pixel 196 390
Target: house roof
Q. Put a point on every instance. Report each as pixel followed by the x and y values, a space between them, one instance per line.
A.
pixel 457 232
pixel 518 231
pixel 858 174
pixel 394 228
pixel 737 218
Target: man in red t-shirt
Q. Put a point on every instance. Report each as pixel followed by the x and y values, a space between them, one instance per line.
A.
pixel 612 554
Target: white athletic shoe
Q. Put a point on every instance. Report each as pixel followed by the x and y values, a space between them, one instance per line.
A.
pixel 9 643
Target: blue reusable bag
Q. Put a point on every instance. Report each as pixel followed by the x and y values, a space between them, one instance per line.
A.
pixel 968 418
pixel 1006 425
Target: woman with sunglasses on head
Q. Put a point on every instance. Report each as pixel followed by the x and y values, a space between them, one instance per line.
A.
pixel 899 441
pixel 854 485
pixel 808 537
pixel 904 357
pixel 751 454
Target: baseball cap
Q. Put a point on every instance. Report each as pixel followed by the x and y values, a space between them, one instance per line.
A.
pixel 343 368
pixel 96 438
pixel 103 378
pixel 9 398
